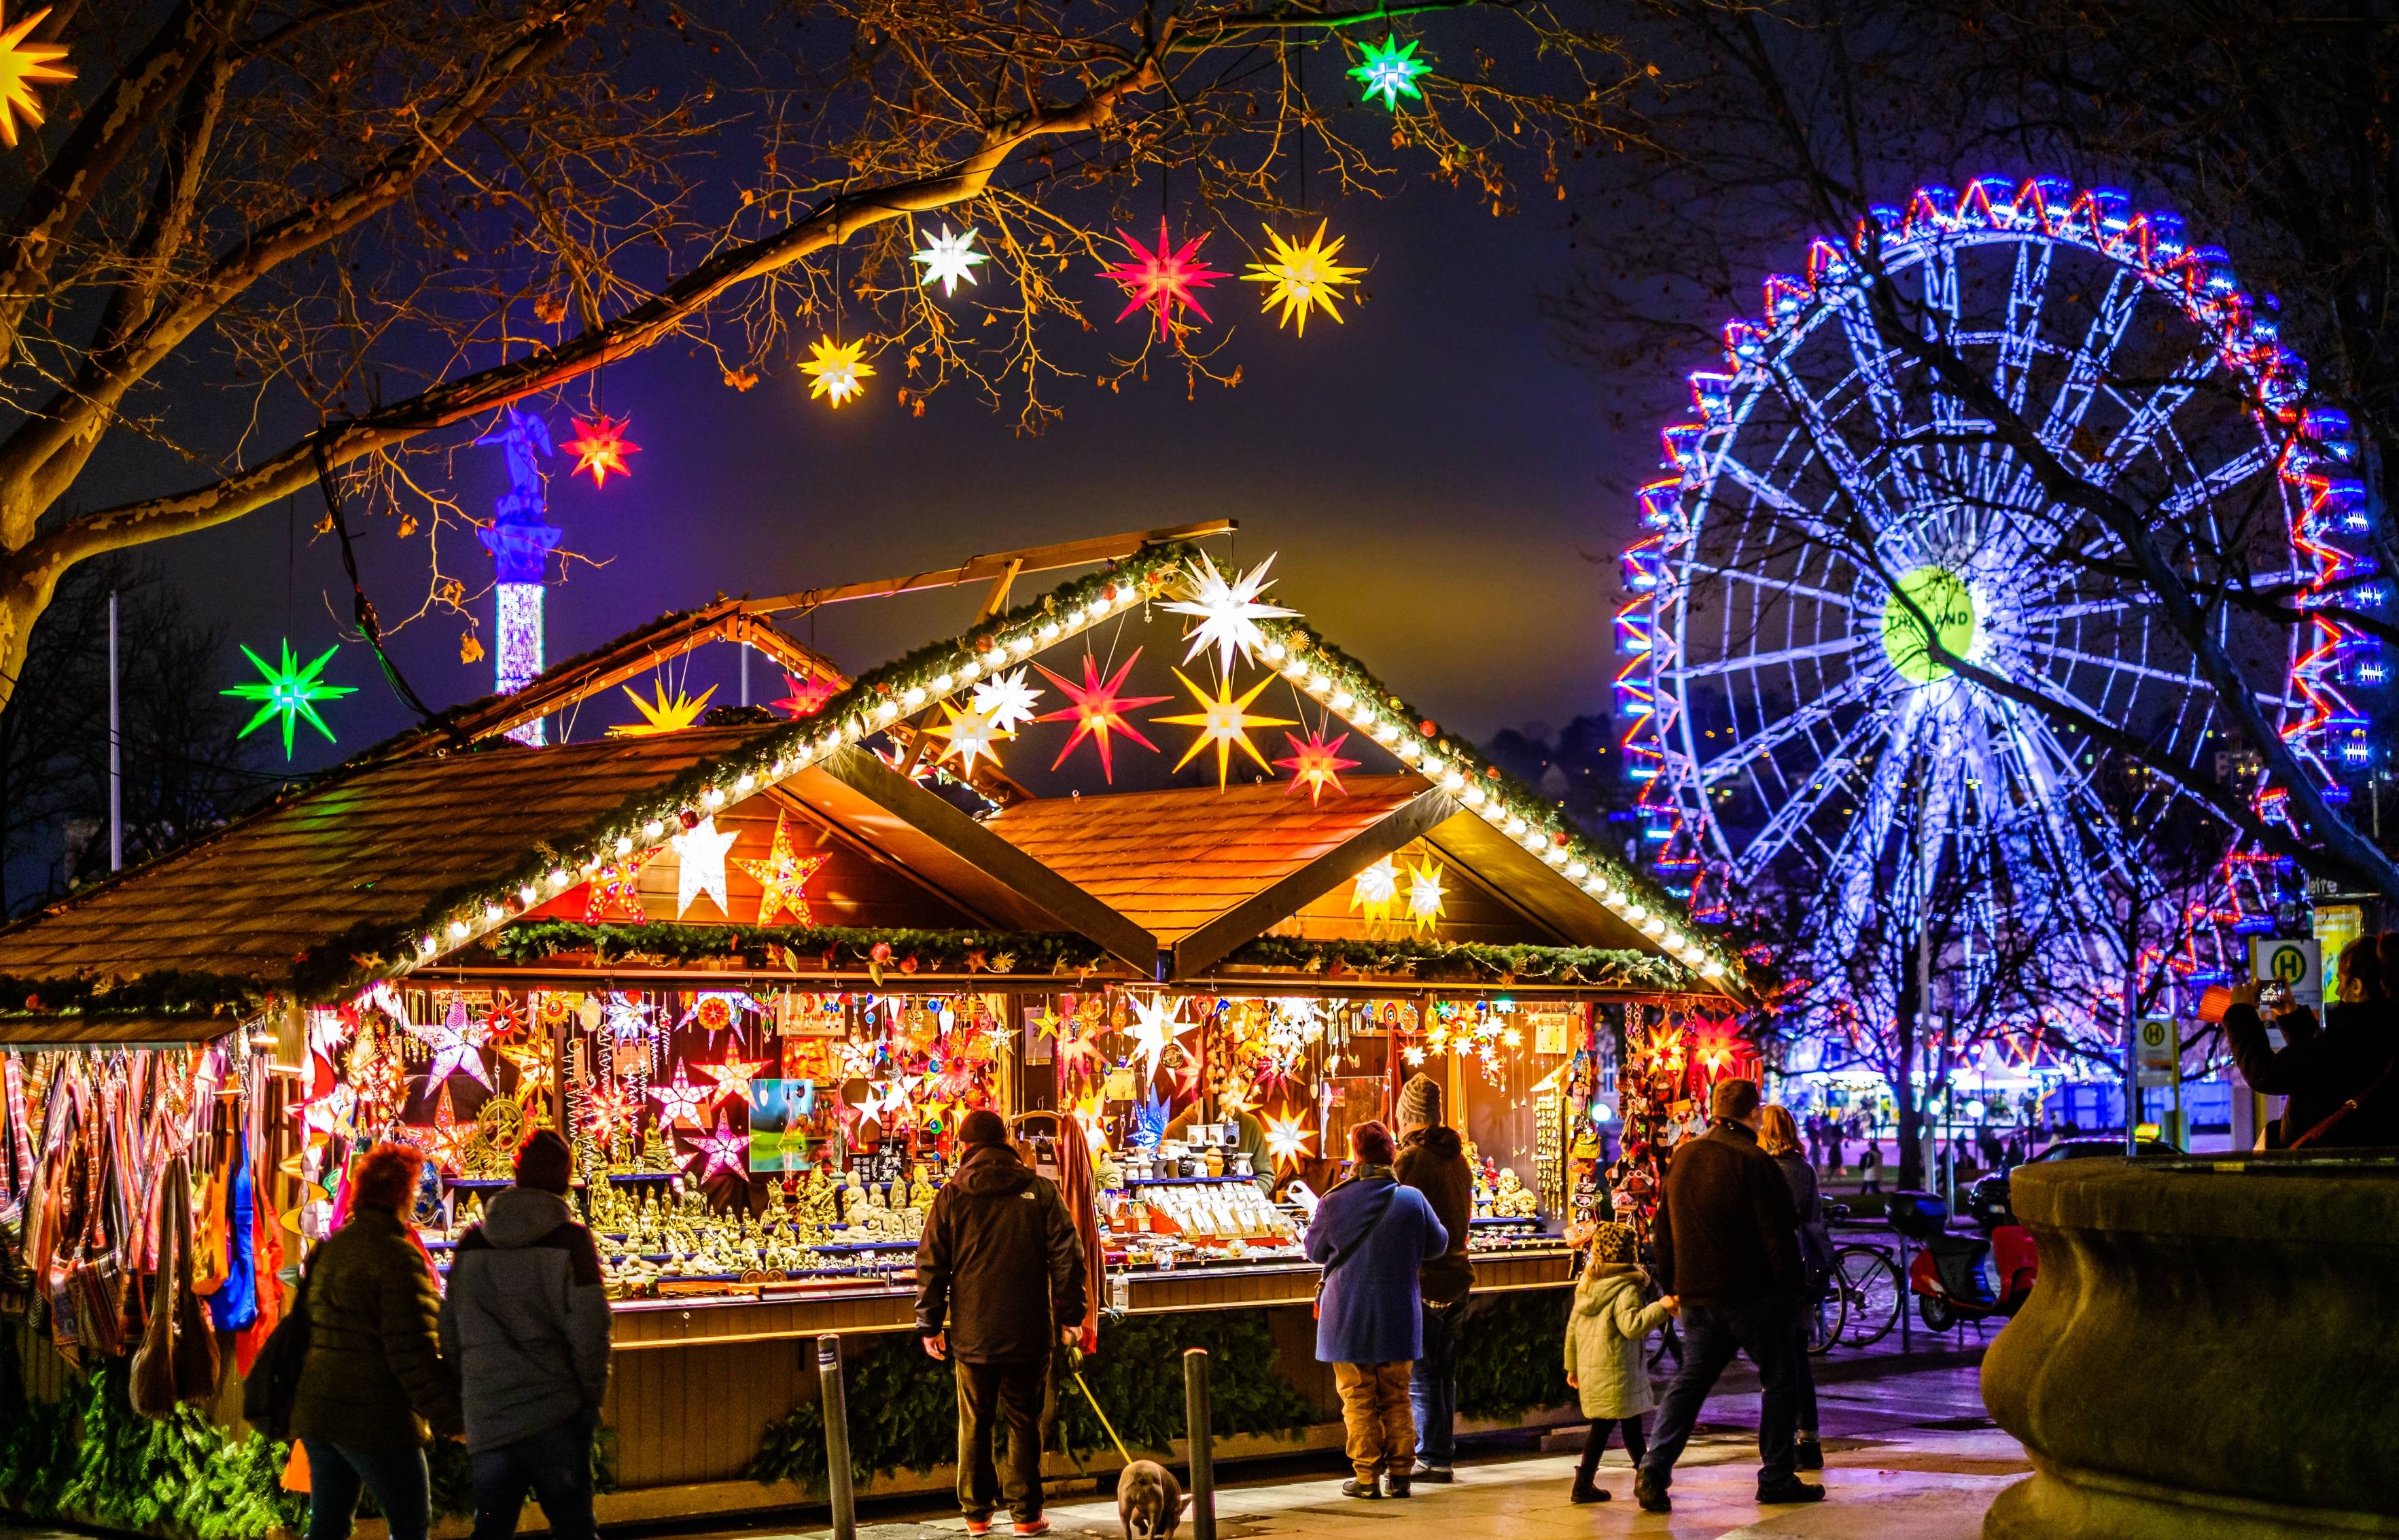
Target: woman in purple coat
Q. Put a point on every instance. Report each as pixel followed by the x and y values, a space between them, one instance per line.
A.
pixel 1371 1235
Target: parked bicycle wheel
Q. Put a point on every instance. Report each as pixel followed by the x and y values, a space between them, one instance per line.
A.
pixel 1824 1319
pixel 1868 1282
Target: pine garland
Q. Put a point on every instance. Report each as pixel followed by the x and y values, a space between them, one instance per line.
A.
pixel 798 946
pixel 1511 1353
pixel 1472 961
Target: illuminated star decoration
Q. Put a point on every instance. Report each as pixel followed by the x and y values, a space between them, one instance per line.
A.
pixel 1390 70
pixel 970 734
pixel 702 850
pixel 1287 1138
pixel 1098 710
pixel 290 692
pixel 662 715
pixel 733 1077
pixel 536 1069
pixel 1376 891
pixel 1316 765
pixel 1229 610
pixel 606 1112
pixel 614 891
pixel 457 1044
pixel 947 259
pixel 21 63
pixel 1007 700
pixel 450 1136
pixel 1424 894
pixel 1305 277
pixel 723 1150
pixel 600 446
pixel 834 368
pixel 680 1100
pixel 783 878
pixel 1162 280
pixel 1153 1028
pixel 1223 721
pixel 807 697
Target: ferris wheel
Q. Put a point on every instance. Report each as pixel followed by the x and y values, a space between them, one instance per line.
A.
pixel 1788 722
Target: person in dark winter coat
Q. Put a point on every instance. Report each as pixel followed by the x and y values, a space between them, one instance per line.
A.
pixel 1372 1235
pixel 1728 1240
pixel 1778 1138
pixel 995 1232
pixel 1433 1160
pixel 374 1387
pixel 2323 1070
pixel 526 1322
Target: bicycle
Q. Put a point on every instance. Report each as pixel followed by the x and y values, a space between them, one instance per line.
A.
pixel 1867 1283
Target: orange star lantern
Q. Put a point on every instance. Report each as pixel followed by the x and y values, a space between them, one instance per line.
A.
pixel 1316 765
pixel 783 877
pixel 1098 710
pixel 1223 722
pixel 21 64
pixel 600 448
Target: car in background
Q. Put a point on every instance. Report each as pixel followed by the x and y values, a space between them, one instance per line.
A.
pixel 1987 1201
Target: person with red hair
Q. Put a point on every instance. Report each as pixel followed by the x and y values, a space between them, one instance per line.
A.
pixel 374 1388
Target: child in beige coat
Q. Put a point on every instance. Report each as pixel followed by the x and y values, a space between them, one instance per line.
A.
pixel 1607 1340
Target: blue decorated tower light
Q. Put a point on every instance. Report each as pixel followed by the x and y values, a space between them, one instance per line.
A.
pixel 520 538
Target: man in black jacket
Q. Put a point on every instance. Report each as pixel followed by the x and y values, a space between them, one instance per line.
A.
pixel 994 1229
pixel 1727 1244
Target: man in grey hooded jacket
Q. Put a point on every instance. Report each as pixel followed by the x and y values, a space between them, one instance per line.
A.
pixel 526 1322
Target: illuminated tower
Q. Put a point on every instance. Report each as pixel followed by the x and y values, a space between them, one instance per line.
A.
pixel 520 538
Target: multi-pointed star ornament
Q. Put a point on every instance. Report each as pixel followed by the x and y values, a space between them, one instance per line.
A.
pixel 701 849
pixel 1390 70
pixel 21 64
pixel 807 697
pixel 537 1066
pixel 1098 710
pixel 450 1136
pixel 1223 722
pixel 457 1044
pixel 783 877
pixel 1008 699
pixel 291 693
pixel 971 735
pixel 1424 893
pixel 662 715
pixel 1153 1028
pixel 1316 765
pixel 1229 610
pixel 1376 891
pixel 726 1152
pixel 1304 277
pixel 614 890
pixel 834 370
pixel 1287 1138
pixel 681 1101
pixel 1162 280
pixel 947 259
pixel 599 447
pixel 733 1077
pixel 607 1114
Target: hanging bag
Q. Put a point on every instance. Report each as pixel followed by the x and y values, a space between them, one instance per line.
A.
pixel 152 1389
pixel 273 1385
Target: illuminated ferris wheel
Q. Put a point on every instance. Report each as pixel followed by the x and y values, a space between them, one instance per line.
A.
pixel 1788 722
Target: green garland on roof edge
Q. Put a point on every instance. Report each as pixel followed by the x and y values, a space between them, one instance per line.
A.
pixel 168 992
pixel 1474 962
pixel 905 951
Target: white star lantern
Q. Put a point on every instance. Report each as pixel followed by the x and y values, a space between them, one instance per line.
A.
pixel 702 853
pixel 1153 1028
pixel 1229 611
pixel 1007 700
pixel 947 259
pixel 457 1044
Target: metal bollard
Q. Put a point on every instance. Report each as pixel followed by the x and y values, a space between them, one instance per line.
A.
pixel 836 1420
pixel 1203 1454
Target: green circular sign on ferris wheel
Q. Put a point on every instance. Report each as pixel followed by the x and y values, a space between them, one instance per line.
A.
pixel 1943 599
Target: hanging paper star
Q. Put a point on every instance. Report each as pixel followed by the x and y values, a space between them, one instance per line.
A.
pixel 836 369
pixel 450 1136
pixel 1316 765
pixel 1390 70
pixel 626 1016
pixel 807 697
pixel 783 877
pixel 614 891
pixel 702 851
pixel 1305 277
pixel 970 734
pixel 536 1067
pixel 599 447
pixel 733 1077
pixel 1223 721
pixel 948 258
pixel 1048 1023
pixel 607 1111
pixel 662 715
pixel 1153 1028
pixel 1229 610
pixel 1287 1138
pixel 680 1100
pixel 1424 894
pixel 1006 699
pixel 1163 279
pixel 290 692
pixel 714 1008
pixel 1098 710
pixel 22 63
pixel 726 1152
pixel 456 1043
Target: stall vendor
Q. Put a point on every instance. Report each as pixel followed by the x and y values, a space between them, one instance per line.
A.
pixel 1249 1134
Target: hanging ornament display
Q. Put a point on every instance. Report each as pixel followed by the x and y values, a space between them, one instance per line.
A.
pixel 599 447
pixel 1229 610
pixel 702 849
pixel 451 1137
pixel 835 370
pixel 1098 710
pixel 290 692
pixel 1225 722
pixel 1153 1028
pixel 1425 893
pixel 662 715
pixel 21 65
pixel 783 877
pixel 1377 892
pixel 971 736
pixel 1162 280
pixel 614 893
pixel 1305 277
pixel 1006 699
pixel 733 1077
pixel 1388 70
pixel 536 1064
pixel 1316 765
pixel 457 1045
pixel 681 1101
pixel 947 259
pixel 725 1152
pixel 807 696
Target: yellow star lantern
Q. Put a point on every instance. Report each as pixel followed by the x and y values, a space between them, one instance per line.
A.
pixel 1424 894
pixel 1305 277
pixel 1287 1138
pixel 662 715
pixel 783 877
pixel 1376 891
pixel 21 64
pixel 836 369
pixel 971 736
pixel 1223 722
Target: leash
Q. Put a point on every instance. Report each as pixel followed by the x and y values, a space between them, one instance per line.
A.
pixel 1075 1367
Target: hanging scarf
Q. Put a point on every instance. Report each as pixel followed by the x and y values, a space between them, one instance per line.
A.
pixel 234 1302
pixel 19 1133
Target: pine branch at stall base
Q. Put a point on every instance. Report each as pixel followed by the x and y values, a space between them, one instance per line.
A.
pixel 1511 1354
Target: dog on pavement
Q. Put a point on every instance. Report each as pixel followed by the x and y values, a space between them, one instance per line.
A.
pixel 1149 1501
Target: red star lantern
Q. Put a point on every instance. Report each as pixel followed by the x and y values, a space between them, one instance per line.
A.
pixel 600 448
pixel 1316 765
pixel 1162 280
pixel 1099 709
pixel 807 697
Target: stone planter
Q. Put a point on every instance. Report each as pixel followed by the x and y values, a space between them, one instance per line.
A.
pixel 2213 1351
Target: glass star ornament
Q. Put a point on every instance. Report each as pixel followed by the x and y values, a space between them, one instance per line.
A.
pixel 834 370
pixel 1305 277
pixel 456 1042
pixel 1287 1138
pixel 1008 699
pixel 1316 765
pixel 1229 610
pixel 1223 721
pixel 681 1101
pixel 599 447
pixel 1424 894
pixel 971 735
pixel 614 893
pixel 290 692
pixel 1162 280
pixel 1098 710
pixel 23 64
pixel 1390 71
pixel 701 851
pixel 783 877
pixel 662 715
pixel 947 259
pixel 1376 891
pixel 723 1152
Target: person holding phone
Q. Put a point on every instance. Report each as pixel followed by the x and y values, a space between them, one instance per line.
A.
pixel 2337 1079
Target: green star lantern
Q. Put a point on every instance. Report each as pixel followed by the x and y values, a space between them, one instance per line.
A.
pixel 290 692
pixel 1389 70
